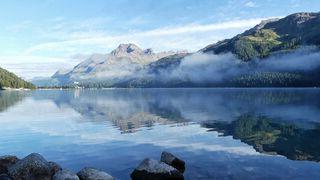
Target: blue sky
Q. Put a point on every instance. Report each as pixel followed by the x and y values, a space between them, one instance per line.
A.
pixel 39 37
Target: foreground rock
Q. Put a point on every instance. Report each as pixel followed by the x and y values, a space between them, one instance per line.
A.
pixel 173 161
pixel 54 167
pixel 4 177
pixel 155 170
pixel 5 162
pixel 93 174
pixel 65 175
pixel 34 166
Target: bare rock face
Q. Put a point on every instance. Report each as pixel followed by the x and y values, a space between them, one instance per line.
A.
pixel 93 174
pixel 173 161
pixel 150 169
pixel 65 175
pixel 32 167
pixel 6 161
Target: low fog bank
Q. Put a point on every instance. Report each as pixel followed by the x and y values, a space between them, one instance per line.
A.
pixel 206 68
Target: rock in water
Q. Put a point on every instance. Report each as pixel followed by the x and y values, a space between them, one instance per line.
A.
pixel 4 177
pixel 150 169
pixel 34 166
pixel 65 175
pixel 6 161
pixel 173 161
pixel 93 174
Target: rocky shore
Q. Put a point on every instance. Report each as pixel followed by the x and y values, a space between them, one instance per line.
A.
pixel 36 167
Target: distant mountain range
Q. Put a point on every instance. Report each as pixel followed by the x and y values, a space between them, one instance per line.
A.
pixel 259 57
pixel 10 80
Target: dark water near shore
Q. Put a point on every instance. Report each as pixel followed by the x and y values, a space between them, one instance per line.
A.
pixel 220 133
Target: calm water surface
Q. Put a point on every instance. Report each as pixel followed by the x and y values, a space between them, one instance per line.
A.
pixel 220 133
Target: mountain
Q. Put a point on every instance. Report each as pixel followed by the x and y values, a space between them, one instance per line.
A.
pixel 275 53
pixel 119 63
pixel 272 36
pixel 10 80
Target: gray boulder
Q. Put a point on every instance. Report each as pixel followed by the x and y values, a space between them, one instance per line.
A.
pixel 32 167
pixel 93 174
pixel 150 169
pixel 65 175
pixel 6 161
pixel 173 161
pixel 5 177
pixel 54 167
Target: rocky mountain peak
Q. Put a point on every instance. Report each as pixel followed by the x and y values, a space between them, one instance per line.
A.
pixel 148 51
pixel 135 54
pixel 123 49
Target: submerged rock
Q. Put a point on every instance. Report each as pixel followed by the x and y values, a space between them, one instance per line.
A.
pixel 173 161
pixel 5 177
pixel 155 170
pixel 6 161
pixel 65 175
pixel 34 166
pixel 93 174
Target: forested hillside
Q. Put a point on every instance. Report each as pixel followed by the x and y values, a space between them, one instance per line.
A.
pixel 10 80
pixel 272 36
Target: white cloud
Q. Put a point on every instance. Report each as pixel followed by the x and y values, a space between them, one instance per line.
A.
pixel 28 66
pixel 250 4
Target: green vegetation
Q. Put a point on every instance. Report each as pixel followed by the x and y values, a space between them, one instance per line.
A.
pixel 10 80
pixel 260 44
pixel 269 79
pixel 301 29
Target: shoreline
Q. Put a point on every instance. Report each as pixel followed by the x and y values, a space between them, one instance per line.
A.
pixel 14 89
pixel 34 166
pixel 177 88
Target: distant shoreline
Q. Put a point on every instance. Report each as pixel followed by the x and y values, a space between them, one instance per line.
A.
pixel 14 89
pixel 181 88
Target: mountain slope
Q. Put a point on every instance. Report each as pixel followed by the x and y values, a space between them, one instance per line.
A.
pixel 121 62
pixel 10 80
pixel 272 36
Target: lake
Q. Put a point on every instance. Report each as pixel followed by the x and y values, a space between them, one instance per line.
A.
pixel 220 133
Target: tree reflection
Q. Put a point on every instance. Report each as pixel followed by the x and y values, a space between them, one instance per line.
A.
pixel 10 98
pixel 272 136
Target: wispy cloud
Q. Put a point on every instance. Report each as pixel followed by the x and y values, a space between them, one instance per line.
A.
pixel 20 26
pixel 28 66
pixel 177 37
pixel 250 4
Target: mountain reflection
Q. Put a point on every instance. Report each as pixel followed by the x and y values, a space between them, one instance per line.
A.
pixel 128 110
pixel 273 121
pixel 270 136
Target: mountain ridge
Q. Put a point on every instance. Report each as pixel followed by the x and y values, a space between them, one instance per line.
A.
pixel 270 36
